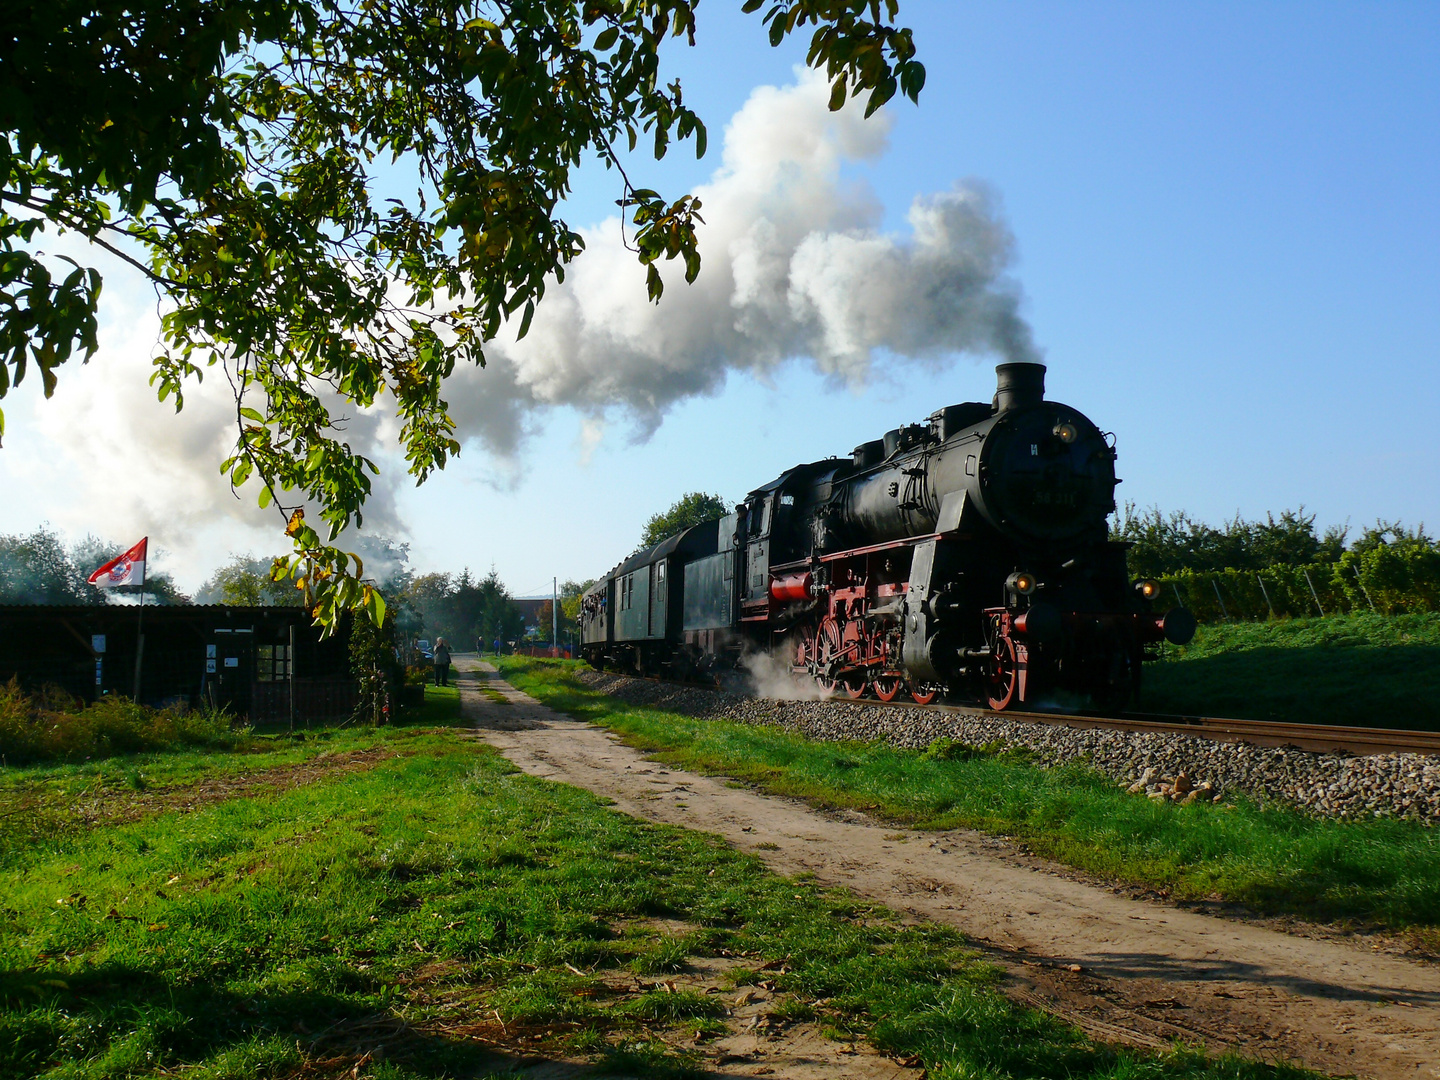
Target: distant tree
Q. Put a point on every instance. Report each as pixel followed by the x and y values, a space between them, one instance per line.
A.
pixel 544 628
pixel 463 610
pixel 39 569
pixel 1394 535
pixel 36 569
pixel 570 595
pixel 245 581
pixel 1168 544
pixel 688 511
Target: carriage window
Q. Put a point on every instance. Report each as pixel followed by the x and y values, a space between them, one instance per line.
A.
pixel 660 571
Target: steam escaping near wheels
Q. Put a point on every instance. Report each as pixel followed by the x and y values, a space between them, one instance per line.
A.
pixel 770 674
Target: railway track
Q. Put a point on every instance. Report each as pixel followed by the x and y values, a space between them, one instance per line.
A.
pixel 1315 737
pixel 1319 737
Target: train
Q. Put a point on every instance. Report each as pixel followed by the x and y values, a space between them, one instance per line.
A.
pixel 967 557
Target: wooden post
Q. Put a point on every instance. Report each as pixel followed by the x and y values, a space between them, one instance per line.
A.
pixel 290 671
pixel 1223 613
pixel 1313 593
pixel 139 641
pixel 1361 582
pixel 1265 593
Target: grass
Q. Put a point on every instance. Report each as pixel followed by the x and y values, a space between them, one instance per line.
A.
pixel 441 708
pixel 1272 859
pixel 438 914
pixel 1361 670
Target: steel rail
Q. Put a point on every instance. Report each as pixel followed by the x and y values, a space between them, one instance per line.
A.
pixel 1325 738
pixel 1316 737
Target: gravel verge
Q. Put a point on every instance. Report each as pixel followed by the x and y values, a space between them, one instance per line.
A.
pixel 1181 768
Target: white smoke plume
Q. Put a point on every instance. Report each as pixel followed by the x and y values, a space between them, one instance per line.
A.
pixel 794 267
pixel 769 676
pixel 104 456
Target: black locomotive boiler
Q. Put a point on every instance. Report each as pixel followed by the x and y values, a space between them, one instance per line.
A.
pixel 967 556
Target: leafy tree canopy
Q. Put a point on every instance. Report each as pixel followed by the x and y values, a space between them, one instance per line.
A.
pixel 689 510
pixel 1168 544
pixel 228 149
pixel 570 595
pixel 246 581
pixel 461 609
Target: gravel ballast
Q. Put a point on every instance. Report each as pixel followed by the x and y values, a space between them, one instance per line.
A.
pixel 1182 768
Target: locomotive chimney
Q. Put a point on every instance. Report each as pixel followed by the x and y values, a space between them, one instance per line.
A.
pixel 1019 386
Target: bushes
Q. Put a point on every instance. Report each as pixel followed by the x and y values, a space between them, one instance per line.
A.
pixel 53 726
pixel 1280 567
pixel 1394 579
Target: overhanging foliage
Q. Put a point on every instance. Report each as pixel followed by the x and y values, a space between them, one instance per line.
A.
pixel 228 149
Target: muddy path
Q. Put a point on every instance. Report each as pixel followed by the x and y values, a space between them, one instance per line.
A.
pixel 1125 970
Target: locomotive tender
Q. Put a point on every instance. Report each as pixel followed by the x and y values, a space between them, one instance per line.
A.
pixel 967 556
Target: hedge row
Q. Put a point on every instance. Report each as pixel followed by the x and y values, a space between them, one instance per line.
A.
pixel 53 726
pixel 1388 579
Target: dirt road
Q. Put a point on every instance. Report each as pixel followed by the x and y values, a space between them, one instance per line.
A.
pixel 1125 970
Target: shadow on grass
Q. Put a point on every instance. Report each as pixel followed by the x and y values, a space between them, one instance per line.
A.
pixel 1362 686
pixel 120 1020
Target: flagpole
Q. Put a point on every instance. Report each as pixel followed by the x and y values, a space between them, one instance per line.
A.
pixel 140 629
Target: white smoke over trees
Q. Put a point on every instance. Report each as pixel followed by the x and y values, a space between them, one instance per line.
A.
pixel 795 268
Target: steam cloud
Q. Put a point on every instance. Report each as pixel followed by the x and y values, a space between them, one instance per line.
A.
pixel 793 267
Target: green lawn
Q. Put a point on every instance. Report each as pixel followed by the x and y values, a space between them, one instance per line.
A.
pixel 424 910
pixel 1381 872
pixel 1362 670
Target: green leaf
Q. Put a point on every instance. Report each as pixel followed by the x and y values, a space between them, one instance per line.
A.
pixel 252 414
pixel 605 40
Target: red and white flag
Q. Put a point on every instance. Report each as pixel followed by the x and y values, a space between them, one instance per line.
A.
pixel 127 569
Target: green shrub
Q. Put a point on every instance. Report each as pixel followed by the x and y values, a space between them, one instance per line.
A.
pixel 1390 579
pixel 51 725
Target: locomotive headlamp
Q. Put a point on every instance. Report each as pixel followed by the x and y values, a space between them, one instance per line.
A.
pixel 1022 582
pixel 1148 589
pixel 1066 432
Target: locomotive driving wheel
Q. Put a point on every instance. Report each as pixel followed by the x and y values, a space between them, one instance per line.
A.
pixel 802 652
pixel 1002 679
pixel 924 694
pixel 888 686
pixel 829 654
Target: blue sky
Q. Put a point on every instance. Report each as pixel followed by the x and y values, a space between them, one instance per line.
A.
pixel 1227 230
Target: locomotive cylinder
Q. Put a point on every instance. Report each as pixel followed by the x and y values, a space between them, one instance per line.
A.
pixel 790 589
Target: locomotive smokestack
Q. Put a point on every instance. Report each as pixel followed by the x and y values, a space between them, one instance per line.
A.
pixel 1019 386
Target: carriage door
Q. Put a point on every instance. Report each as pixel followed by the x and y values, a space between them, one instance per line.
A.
pixel 757 562
pixel 658 595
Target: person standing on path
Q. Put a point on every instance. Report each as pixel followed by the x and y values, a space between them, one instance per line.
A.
pixel 442 663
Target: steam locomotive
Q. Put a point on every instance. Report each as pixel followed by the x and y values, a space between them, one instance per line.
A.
pixel 967 556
